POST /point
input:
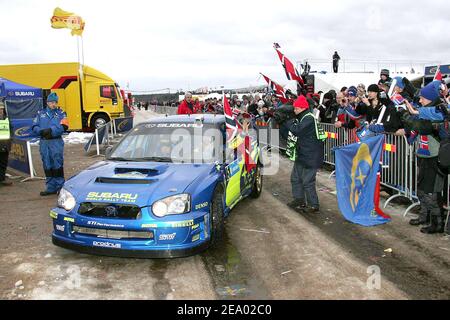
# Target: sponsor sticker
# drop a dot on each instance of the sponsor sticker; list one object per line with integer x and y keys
{"x": 106, "y": 244}
{"x": 60, "y": 227}
{"x": 182, "y": 224}
{"x": 167, "y": 237}
{"x": 196, "y": 226}
{"x": 105, "y": 225}
{"x": 115, "y": 197}
{"x": 150, "y": 225}
{"x": 233, "y": 168}
{"x": 69, "y": 219}
{"x": 53, "y": 215}
{"x": 196, "y": 238}
{"x": 172, "y": 125}
{"x": 201, "y": 205}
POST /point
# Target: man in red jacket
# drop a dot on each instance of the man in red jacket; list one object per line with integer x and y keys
{"x": 187, "y": 105}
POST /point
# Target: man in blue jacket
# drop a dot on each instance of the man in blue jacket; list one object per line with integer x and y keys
{"x": 309, "y": 158}
{"x": 50, "y": 123}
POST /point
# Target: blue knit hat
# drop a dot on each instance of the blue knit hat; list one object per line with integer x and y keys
{"x": 399, "y": 83}
{"x": 52, "y": 97}
{"x": 352, "y": 91}
{"x": 431, "y": 91}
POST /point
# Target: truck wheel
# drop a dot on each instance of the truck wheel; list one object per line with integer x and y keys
{"x": 99, "y": 120}
{"x": 258, "y": 183}
{"x": 217, "y": 217}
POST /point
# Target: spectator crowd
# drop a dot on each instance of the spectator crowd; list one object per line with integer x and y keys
{"x": 391, "y": 106}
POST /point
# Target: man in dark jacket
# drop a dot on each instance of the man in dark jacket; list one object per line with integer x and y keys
{"x": 385, "y": 77}
{"x": 380, "y": 113}
{"x": 336, "y": 59}
{"x": 309, "y": 158}
{"x": 5, "y": 144}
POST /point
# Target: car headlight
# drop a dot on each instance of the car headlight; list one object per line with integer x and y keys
{"x": 66, "y": 200}
{"x": 178, "y": 204}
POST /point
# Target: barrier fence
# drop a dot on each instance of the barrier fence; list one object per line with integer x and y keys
{"x": 104, "y": 134}
{"x": 399, "y": 163}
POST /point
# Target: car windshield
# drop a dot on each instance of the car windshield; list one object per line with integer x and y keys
{"x": 171, "y": 142}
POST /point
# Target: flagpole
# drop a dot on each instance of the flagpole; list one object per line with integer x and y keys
{"x": 82, "y": 49}
{"x": 78, "y": 50}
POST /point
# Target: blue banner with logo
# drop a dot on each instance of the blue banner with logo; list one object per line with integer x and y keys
{"x": 22, "y": 129}
{"x": 357, "y": 166}
{"x": 431, "y": 70}
{"x": 18, "y": 156}
{"x": 123, "y": 124}
{"x": 13, "y": 90}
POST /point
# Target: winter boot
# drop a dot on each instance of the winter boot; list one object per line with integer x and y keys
{"x": 424, "y": 217}
{"x": 437, "y": 226}
{"x": 421, "y": 220}
{"x": 297, "y": 204}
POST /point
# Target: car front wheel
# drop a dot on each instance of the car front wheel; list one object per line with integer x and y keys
{"x": 217, "y": 216}
{"x": 257, "y": 183}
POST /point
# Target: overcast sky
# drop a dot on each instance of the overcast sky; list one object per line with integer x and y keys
{"x": 190, "y": 44}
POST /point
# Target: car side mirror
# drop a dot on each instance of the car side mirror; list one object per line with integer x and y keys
{"x": 108, "y": 152}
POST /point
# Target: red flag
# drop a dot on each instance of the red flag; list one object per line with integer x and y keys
{"x": 233, "y": 129}
{"x": 278, "y": 89}
{"x": 438, "y": 75}
{"x": 289, "y": 68}
{"x": 249, "y": 163}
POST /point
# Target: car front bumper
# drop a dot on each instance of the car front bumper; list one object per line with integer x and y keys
{"x": 166, "y": 239}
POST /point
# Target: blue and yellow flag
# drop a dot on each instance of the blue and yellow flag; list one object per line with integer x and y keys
{"x": 357, "y": 167}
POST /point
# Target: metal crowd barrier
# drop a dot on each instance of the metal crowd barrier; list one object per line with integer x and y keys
{"x": 399, "y": 170}
{"x": 164, "y": 109}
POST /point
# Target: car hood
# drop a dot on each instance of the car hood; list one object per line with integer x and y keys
{"x": 136, "y": 183}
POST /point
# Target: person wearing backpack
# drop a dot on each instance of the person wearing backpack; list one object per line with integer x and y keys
{"x": 308, "y": 157}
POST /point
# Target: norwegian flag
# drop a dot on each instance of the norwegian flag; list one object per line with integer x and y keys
{"x": 233, "y": 129}
{"x": 438, "y": 75}
{"x": 398, "y": 99}
{"x": 277, "y": 88}
{"x": 233, "y": 126}
{"x": 289, "y": 68}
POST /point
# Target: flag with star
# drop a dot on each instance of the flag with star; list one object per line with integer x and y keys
{"x": 357, "y": 175}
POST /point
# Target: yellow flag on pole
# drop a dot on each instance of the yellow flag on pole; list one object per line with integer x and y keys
{"x": 63, "y": 19}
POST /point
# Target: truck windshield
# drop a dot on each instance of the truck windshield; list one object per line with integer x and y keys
{"x": 171, "y": 142}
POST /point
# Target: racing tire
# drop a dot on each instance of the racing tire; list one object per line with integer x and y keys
{"x": 217, "y": 217}
{"x": 99, "y": 120}
{"x": 258, "y": 183}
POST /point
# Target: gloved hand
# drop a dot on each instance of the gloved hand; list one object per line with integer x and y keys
{"x": 377, "y": 128}
{"x": 46, "y": 133}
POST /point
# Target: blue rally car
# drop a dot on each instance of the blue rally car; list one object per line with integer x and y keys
{"x": 163, "y": 191}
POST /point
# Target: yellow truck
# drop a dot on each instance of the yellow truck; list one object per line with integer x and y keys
{"x": 89, "y": 97}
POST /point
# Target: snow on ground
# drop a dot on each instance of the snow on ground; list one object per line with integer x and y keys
{"x": 77, "y": 137}
{"x": 71, "y": 138}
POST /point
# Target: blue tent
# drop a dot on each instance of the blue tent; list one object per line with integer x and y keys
{"x": 22, "y": 104}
